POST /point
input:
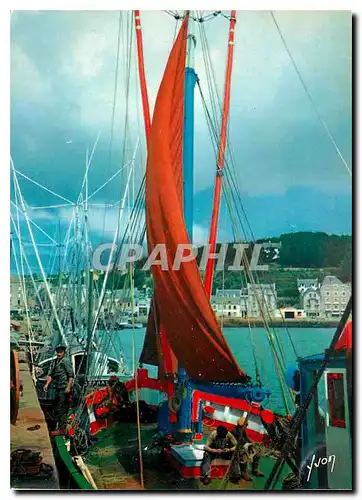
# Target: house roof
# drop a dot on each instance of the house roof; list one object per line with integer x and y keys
{"x": 267, "y": 287}
{"x": 226, "y": 300}
{"x": 307, "y": 282}
{"x": 331, "y": 280}
{"x": 230, "y": 292}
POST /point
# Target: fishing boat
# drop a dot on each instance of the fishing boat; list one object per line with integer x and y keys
{"x": 199, "y": 381}
{"x": 145, "y": 431}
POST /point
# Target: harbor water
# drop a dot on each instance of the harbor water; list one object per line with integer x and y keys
{"x": 307, "y": 341}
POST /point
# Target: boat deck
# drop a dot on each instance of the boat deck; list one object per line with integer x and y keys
{"x": 113, "y": 461}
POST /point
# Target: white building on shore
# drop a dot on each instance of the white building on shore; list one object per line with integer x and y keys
{"x": 327, "y": 300}
{"x": 230, "y": 303}
{"x": 310, "y": 301}
{"x": 246, "y": 302}
{"x": 334, "y": 297}
{"x": 262, "y": 297}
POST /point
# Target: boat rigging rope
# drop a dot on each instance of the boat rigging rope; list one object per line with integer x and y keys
{"x": 27, "y": 220}
{"x": 21, "y": 274}
{"x": 30, "y": 272}
{"x": 230, "y": 170}
{"x": 230, "y": 176}
{"x": 301, "y": 412}
{"x": 43, "y": 187}
{"x": 199, "y": 19}
{"x": 279, "y": 363}
{"x": 314, "y": 106}
{"x": 256, "y": 367}
{"x": 113, "y": 105}
{"x": 231, "y": 211}
{"x": 131, "y": 230}
{"x": 131, "y": 277}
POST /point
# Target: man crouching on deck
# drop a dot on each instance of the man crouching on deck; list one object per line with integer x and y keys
{"x": 246, "y": 450}
{"x": 220, "y": 444}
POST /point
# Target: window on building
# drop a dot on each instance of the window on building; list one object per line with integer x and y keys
{"x": 327, "y": 293}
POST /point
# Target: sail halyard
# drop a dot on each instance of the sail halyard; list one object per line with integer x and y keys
{"x": 183, "y": 306}
{"x": 210, "y": 266}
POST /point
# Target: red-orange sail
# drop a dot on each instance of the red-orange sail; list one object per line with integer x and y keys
{"x": 183, "y": 307}
{"x": 156, "y": 349}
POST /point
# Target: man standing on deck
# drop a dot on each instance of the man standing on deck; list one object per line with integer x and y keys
{"x": 62, "y": 375}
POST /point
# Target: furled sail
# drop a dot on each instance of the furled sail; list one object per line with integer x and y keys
{"x": 156, "y": 349}
{"x": 183, "y": 308}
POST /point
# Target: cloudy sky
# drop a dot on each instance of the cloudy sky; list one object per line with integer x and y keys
{"x": 289, "y": 174}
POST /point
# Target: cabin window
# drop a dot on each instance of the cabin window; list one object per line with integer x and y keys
{"x": 336, "y": 399}
{"x": 112, "y": 366}
{"x": 80, "y": 364}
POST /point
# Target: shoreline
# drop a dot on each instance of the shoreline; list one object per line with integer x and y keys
{"x": 295, "y": 323}
{"x": 277, "y": 323}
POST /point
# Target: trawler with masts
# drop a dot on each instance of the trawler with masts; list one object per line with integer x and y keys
{"x": 199, "y": 383}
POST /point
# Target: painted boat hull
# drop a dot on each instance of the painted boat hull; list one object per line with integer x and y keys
{"x": 208, "y": 409}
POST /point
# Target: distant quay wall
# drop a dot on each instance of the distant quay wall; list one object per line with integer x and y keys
{"x": 277, "y": 323}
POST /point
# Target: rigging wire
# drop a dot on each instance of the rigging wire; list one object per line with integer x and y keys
{"x": 36, "y": 288}
{"x": 114, "y": 103}
{"x": 213, "y": 134}
{"x": 43, "y": 187}
{"x": 230, "y": 170}
{"x": 22, "y": 282}
{"x": 229, "y": 164}
{"x": 276, "y": 357}
{"x": 131, "y": 277}
{"x": 314, "y": 106}
{"x": 199, "y": 19}
{"x": 22, "y": 203}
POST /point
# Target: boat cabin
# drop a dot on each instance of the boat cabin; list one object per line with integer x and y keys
{"x": 326, "y": 430}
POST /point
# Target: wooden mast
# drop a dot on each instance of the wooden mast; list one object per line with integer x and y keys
{"x": 142, "y": 75}
{"x": 221, "y": 159}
